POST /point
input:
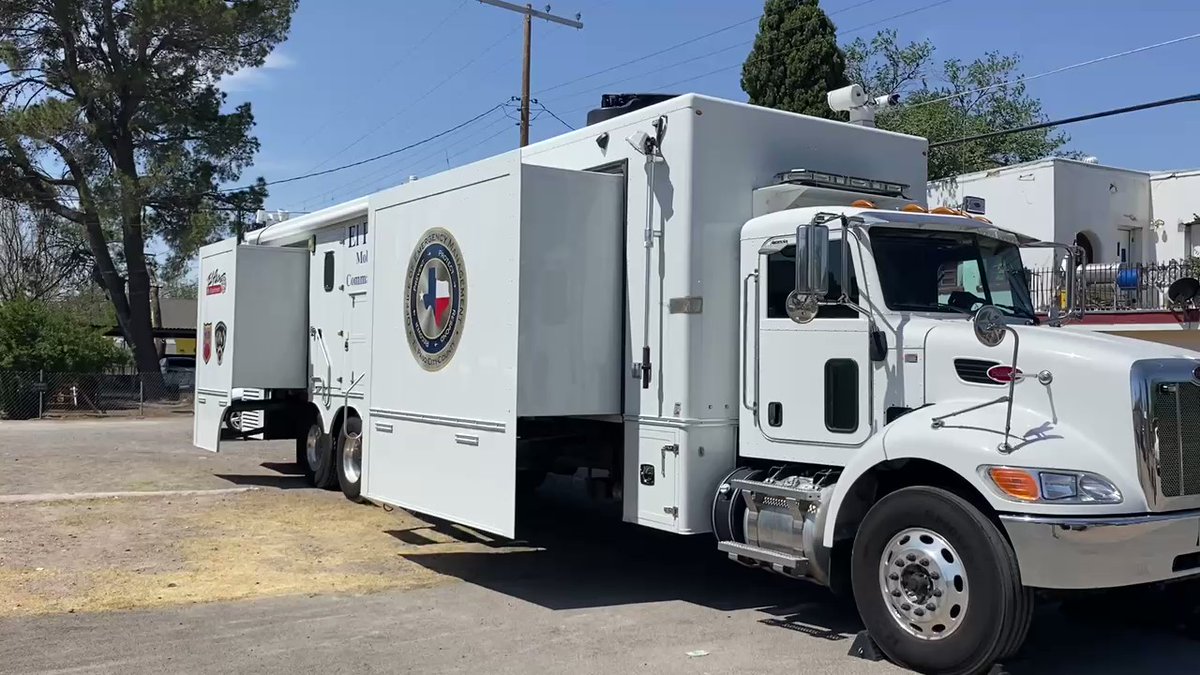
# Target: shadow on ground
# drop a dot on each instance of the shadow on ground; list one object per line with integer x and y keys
{"x": 261, "y": 480}
{"x": 571, "y": 557}
{"x": 582, "y": 559}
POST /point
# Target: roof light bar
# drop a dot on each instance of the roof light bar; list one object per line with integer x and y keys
{"x": 839, "y": 182}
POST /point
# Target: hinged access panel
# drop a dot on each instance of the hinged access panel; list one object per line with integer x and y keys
{"x": 251, "y": 324}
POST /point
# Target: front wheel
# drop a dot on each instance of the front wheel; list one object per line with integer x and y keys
{"x": 937, "y": 585}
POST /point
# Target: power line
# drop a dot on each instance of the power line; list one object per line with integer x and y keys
{"x": 865, "y": 26}
{"x": 420, "y": 98}
{"x": 388, "y": 170}
{"x": 397, "y": 151}
{"x": 393, "y": 66}
{"x": 551, "y": 113}
{"x": 1063, "y": 69}
{"x": 1190, "y": 98}
{"x": 677, "y": 45}
{"x": 651, "y": 55}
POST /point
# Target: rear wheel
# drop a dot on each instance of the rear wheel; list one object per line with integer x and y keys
{"x": 937, "y": 585}
{"x": 318, "y": 457}
{"x": 349, "y": 458}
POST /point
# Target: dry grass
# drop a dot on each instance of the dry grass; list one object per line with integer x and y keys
{"x": 125, "y": 554}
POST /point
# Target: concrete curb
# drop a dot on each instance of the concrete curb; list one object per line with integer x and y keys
{"x": 84, "y": 496}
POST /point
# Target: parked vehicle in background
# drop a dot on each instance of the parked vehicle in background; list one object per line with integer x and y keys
{"x": 179, "y": 372}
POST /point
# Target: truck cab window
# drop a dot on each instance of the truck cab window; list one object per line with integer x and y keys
{"x": 328, "y": 271}
{"x": 781, "y": 280}
{"x": 949, "y": 272}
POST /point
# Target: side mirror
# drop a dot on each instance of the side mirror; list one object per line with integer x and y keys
{"x": 812, "y": 262}
{"x": 989, "y": 326}
{"x": 812, "y": 272}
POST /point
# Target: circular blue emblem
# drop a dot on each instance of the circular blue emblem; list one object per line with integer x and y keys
{"x": 435, "y": 298}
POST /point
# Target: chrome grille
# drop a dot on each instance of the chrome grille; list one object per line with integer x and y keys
{"x": 1175, "y": 419}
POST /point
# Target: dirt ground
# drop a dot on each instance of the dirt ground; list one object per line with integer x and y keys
{"x": 277, "y": 538}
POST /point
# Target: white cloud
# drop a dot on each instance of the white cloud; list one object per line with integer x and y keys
{"x": 252, "y": 78}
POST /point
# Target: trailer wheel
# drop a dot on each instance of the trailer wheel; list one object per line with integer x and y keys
{"x": 318, "y": 457}
{"x": 349, "y": 458}
{"x": 936, "y": 584}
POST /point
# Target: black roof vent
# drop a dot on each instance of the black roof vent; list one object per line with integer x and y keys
{"x": 612, "y": 105}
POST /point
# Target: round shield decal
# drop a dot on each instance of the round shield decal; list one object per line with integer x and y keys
{"x": 219, "y": 340}
{"x": 435, "y": 299}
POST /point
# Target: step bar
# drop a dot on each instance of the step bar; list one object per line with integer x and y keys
{"x": 738, "y": 552}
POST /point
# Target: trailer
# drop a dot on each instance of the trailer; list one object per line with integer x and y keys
{"x": 742, "y": 323}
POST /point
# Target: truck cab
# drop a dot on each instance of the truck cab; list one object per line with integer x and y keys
{"x": 911, "y": 429}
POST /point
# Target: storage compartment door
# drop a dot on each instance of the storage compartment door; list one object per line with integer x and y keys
{"x": 443, "y": 394}
{"x": 654, "y": 479}
{"x": 214, "y": 328}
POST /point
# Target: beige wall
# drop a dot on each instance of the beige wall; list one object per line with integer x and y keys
{"x": 1188, "y": 339}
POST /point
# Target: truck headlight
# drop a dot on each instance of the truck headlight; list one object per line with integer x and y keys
{"x": 1050, "y": 486}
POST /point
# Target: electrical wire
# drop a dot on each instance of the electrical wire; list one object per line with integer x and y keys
{"x": 856, "y": 29}
{"x": 1190, "y": 98}
{"x": 677, "y": 45}
{"x": 551, "y": 113}
{"x": 1056, "y": 71}
{"x": 364, "y": 184}
{"x": 397, "y": 151}
{"x": 394, "y": 65}
{"x": 420, "y": 98}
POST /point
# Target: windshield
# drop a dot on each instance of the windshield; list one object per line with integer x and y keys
{"x": 939, "y": 271}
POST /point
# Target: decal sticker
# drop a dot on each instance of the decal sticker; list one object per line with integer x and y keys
{"x": 206, "y": 341}
{"x": 435, "y": 299}
{"x": 215, "y": 285}
{"x": 219, "y": 341}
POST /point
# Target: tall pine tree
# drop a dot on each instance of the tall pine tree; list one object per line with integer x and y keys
{"x": 795, "y": 60}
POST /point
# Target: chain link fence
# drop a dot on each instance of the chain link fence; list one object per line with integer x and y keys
{"x": 43, "y": 394}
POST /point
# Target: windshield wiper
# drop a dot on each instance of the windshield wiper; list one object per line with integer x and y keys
{"x": 932, "y": 307}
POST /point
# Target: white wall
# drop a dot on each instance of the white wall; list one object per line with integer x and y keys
{"x": 1176, "y": 201}
{"x": 1111, "y": 205}
{"x": 1055, "y": 199}
{"x": 1018, "y": 198}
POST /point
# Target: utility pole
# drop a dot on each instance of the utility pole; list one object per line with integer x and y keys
{"x": 529, "y": 13}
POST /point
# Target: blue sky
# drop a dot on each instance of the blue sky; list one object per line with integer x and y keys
{"x": 359, "y": 78}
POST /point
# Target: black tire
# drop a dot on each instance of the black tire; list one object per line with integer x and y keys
{"x": 319, "y": 465}
{"x": 998, "y": 608}
{"x": 349, "y": 476}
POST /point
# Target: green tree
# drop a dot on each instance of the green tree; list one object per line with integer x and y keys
{"x": 110, "y": 118}
{"x": 795, "y": 60}
{"x": 969, "y": 99}
{"x": 39, "y": 336}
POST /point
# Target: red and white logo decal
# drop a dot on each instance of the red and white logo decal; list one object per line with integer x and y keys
{"x": 215, "y": 285}
{"x": 1005, "y": 374}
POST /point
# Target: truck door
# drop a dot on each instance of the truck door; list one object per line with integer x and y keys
{"x": 327, "y": 348}
{"x": 813, "y": 379}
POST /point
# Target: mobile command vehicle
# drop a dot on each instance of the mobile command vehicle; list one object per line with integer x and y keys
{"x": 743, "y": 322}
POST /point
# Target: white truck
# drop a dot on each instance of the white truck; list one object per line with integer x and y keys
{"x": 744, "y": 323}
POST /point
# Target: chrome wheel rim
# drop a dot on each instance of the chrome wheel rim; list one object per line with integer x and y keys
{"x": 352, "y": 457}
{"x": 310, "y": 446}
{"x": 924, "y": 584}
